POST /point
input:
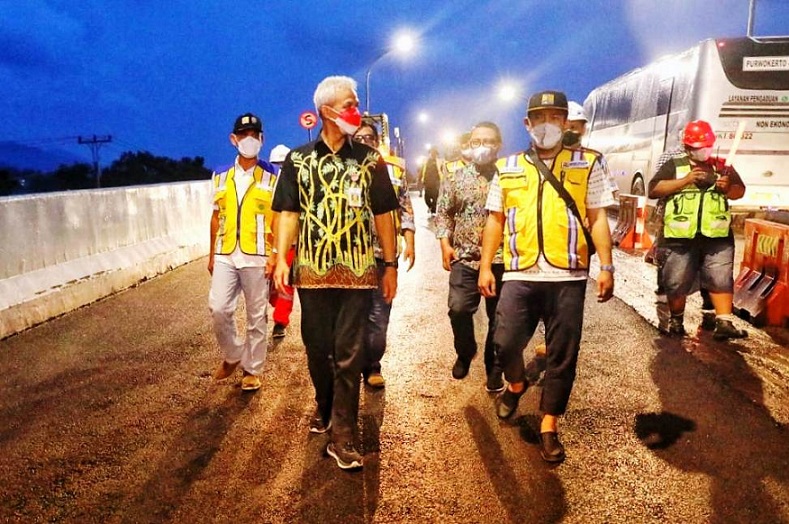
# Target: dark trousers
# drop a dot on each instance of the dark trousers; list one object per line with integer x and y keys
{"x": 464, "y": 297}
{"x": 377, "y": 326}
{"x": 332, "y": 328}
{"x": 431, "y": 195}
{"x": 560, "y": 305}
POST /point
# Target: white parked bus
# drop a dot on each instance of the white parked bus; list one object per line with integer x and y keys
{"x": 636, "y": 117}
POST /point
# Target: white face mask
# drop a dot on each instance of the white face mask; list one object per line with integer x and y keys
{"x": 701, "y": 155}
{"x": 345, "y": 127}
{"x": 466, "y": 153}
{"x": 546, "y": 136}
{"x": 249, "y": 147}
{"x": 483, "y": 155}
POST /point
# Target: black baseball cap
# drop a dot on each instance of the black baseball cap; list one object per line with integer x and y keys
{"x": 547, "y": 100}
{"x": 247, "y": 121}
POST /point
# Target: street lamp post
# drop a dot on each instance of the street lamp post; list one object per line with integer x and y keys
{"x": 403, "y": 44}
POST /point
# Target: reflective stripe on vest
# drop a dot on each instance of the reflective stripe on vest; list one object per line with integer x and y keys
{"x": 692, "y": 210}
{"x": 536, "y": 218}
{"x": 255, "y": 235}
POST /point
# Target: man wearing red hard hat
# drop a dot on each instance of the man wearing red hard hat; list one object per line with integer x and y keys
{"x": 697, "y": 238}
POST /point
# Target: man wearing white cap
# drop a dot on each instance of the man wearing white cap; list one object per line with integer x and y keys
{"x": 281, "y": 302}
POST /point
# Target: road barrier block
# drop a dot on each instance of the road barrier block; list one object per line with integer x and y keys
{"x": 630, "y": 231}
{"x": 761, "y": 290}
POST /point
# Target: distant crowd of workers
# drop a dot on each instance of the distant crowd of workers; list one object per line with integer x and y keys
{"x": 333, "y": 217}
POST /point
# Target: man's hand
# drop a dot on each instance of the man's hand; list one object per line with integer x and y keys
{"x": 605, "y": 286}
{"x": 723, "y": 184}
{"x": 409, "y": 253}
{"x": 447, "y": 255}
{"x": 271, "y": 263}
{"x": 211, "y": 264}
{"x": 281, "y": 274}
{"x": 389, "y": 284}
{"x": 697, "y": 176}
{"x": 486, "y": 283}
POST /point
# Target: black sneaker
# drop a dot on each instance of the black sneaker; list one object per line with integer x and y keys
{"x": 495, "y": 383}
{"x": 507, "y": 402}
{"x": 345, "y": 454}
{"x": 707, "y": 320}
{"x": 724, "y": 330}
{"x": 460, "y": 369}
{"x": 676, "y": 327}
{"x": 279, "y": 331}
{"x": 551, "y": 449}
{"x": 317, "y": 425}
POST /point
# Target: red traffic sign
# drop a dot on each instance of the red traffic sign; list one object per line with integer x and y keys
{"x": 308, "y": 119}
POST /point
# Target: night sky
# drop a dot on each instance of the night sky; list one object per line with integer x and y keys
{"x": 170, "y": 77}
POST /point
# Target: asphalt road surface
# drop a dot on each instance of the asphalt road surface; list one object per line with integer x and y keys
{"x": 109, "y": 414}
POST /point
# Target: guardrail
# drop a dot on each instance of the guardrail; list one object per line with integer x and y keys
{"x": 63, "y": 250}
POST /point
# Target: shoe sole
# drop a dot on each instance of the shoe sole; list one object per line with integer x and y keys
{"x": 551, "y": 459}
{"x": 343, "y": 465}
{"x": 728, "y": 337}
{"x": 280, "y": 335}
{"x": 495, "y": 390}
{"x": 250, "y": 388}
{"x": 317, "y": 431}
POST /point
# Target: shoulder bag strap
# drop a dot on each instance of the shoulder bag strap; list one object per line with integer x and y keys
{"x": 562, "y": 191}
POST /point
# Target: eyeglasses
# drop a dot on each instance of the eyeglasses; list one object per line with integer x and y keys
{"x": 367, "y": 139}
{"x": 476, "y": 142}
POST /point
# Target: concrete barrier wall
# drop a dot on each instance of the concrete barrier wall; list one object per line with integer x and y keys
{"x": 60, "y": 251}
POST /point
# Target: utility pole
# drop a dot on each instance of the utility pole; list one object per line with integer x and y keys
{"x": 95, "y": 143}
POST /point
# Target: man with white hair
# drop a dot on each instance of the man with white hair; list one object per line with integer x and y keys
{"x": 329, "y": 193}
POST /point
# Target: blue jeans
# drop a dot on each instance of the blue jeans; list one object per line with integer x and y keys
{"x": 560, "y": 305}
{"x": 377, "y": 326}
{"x": 464, "y": 297}
{"x": 709, "y": 261}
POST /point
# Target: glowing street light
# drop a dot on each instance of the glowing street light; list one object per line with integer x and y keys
{"x": 508, "y": 91}
{"x": 403, "y": 44}
{"x": 449, "y": 136}
{"x": 423, "y": 117}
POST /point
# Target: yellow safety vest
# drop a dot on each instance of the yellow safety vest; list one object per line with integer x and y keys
{"x": 691, "y": 210}
{"x": 454, "y": 165}
{"x": 536, "y": 217}
{"x": 396, "y": 168}
{"x": 254, "y": 236}
{"x": 440, "y": 166}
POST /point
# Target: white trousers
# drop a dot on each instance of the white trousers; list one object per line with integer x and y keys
{"x": 226, "y": 285}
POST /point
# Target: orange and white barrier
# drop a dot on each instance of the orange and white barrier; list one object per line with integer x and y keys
{"x": 630, "y": 231}
{"x": 761, "y": 290}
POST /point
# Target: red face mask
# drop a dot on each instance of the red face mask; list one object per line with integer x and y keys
{"x": 348, "y": 120}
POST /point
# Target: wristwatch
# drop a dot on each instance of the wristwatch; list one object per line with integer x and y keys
{"x": 607, "y": 267}
{"x": 390, "y": 263}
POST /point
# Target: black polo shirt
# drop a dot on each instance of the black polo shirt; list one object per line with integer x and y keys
{"x": 336, "y": 196}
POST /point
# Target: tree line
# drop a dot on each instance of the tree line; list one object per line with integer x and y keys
{"x": 131, "y": 169}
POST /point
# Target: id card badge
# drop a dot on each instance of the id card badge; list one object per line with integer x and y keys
{"x": 354, "y": 195}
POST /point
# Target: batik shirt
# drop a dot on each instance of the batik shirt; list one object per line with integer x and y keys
{"x": 461, "y": 213}
{"x": 405, "y": 214}
{"x": 336, "y": 196}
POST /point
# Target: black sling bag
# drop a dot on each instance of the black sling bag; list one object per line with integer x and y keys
{"x": 568, "y": 200}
